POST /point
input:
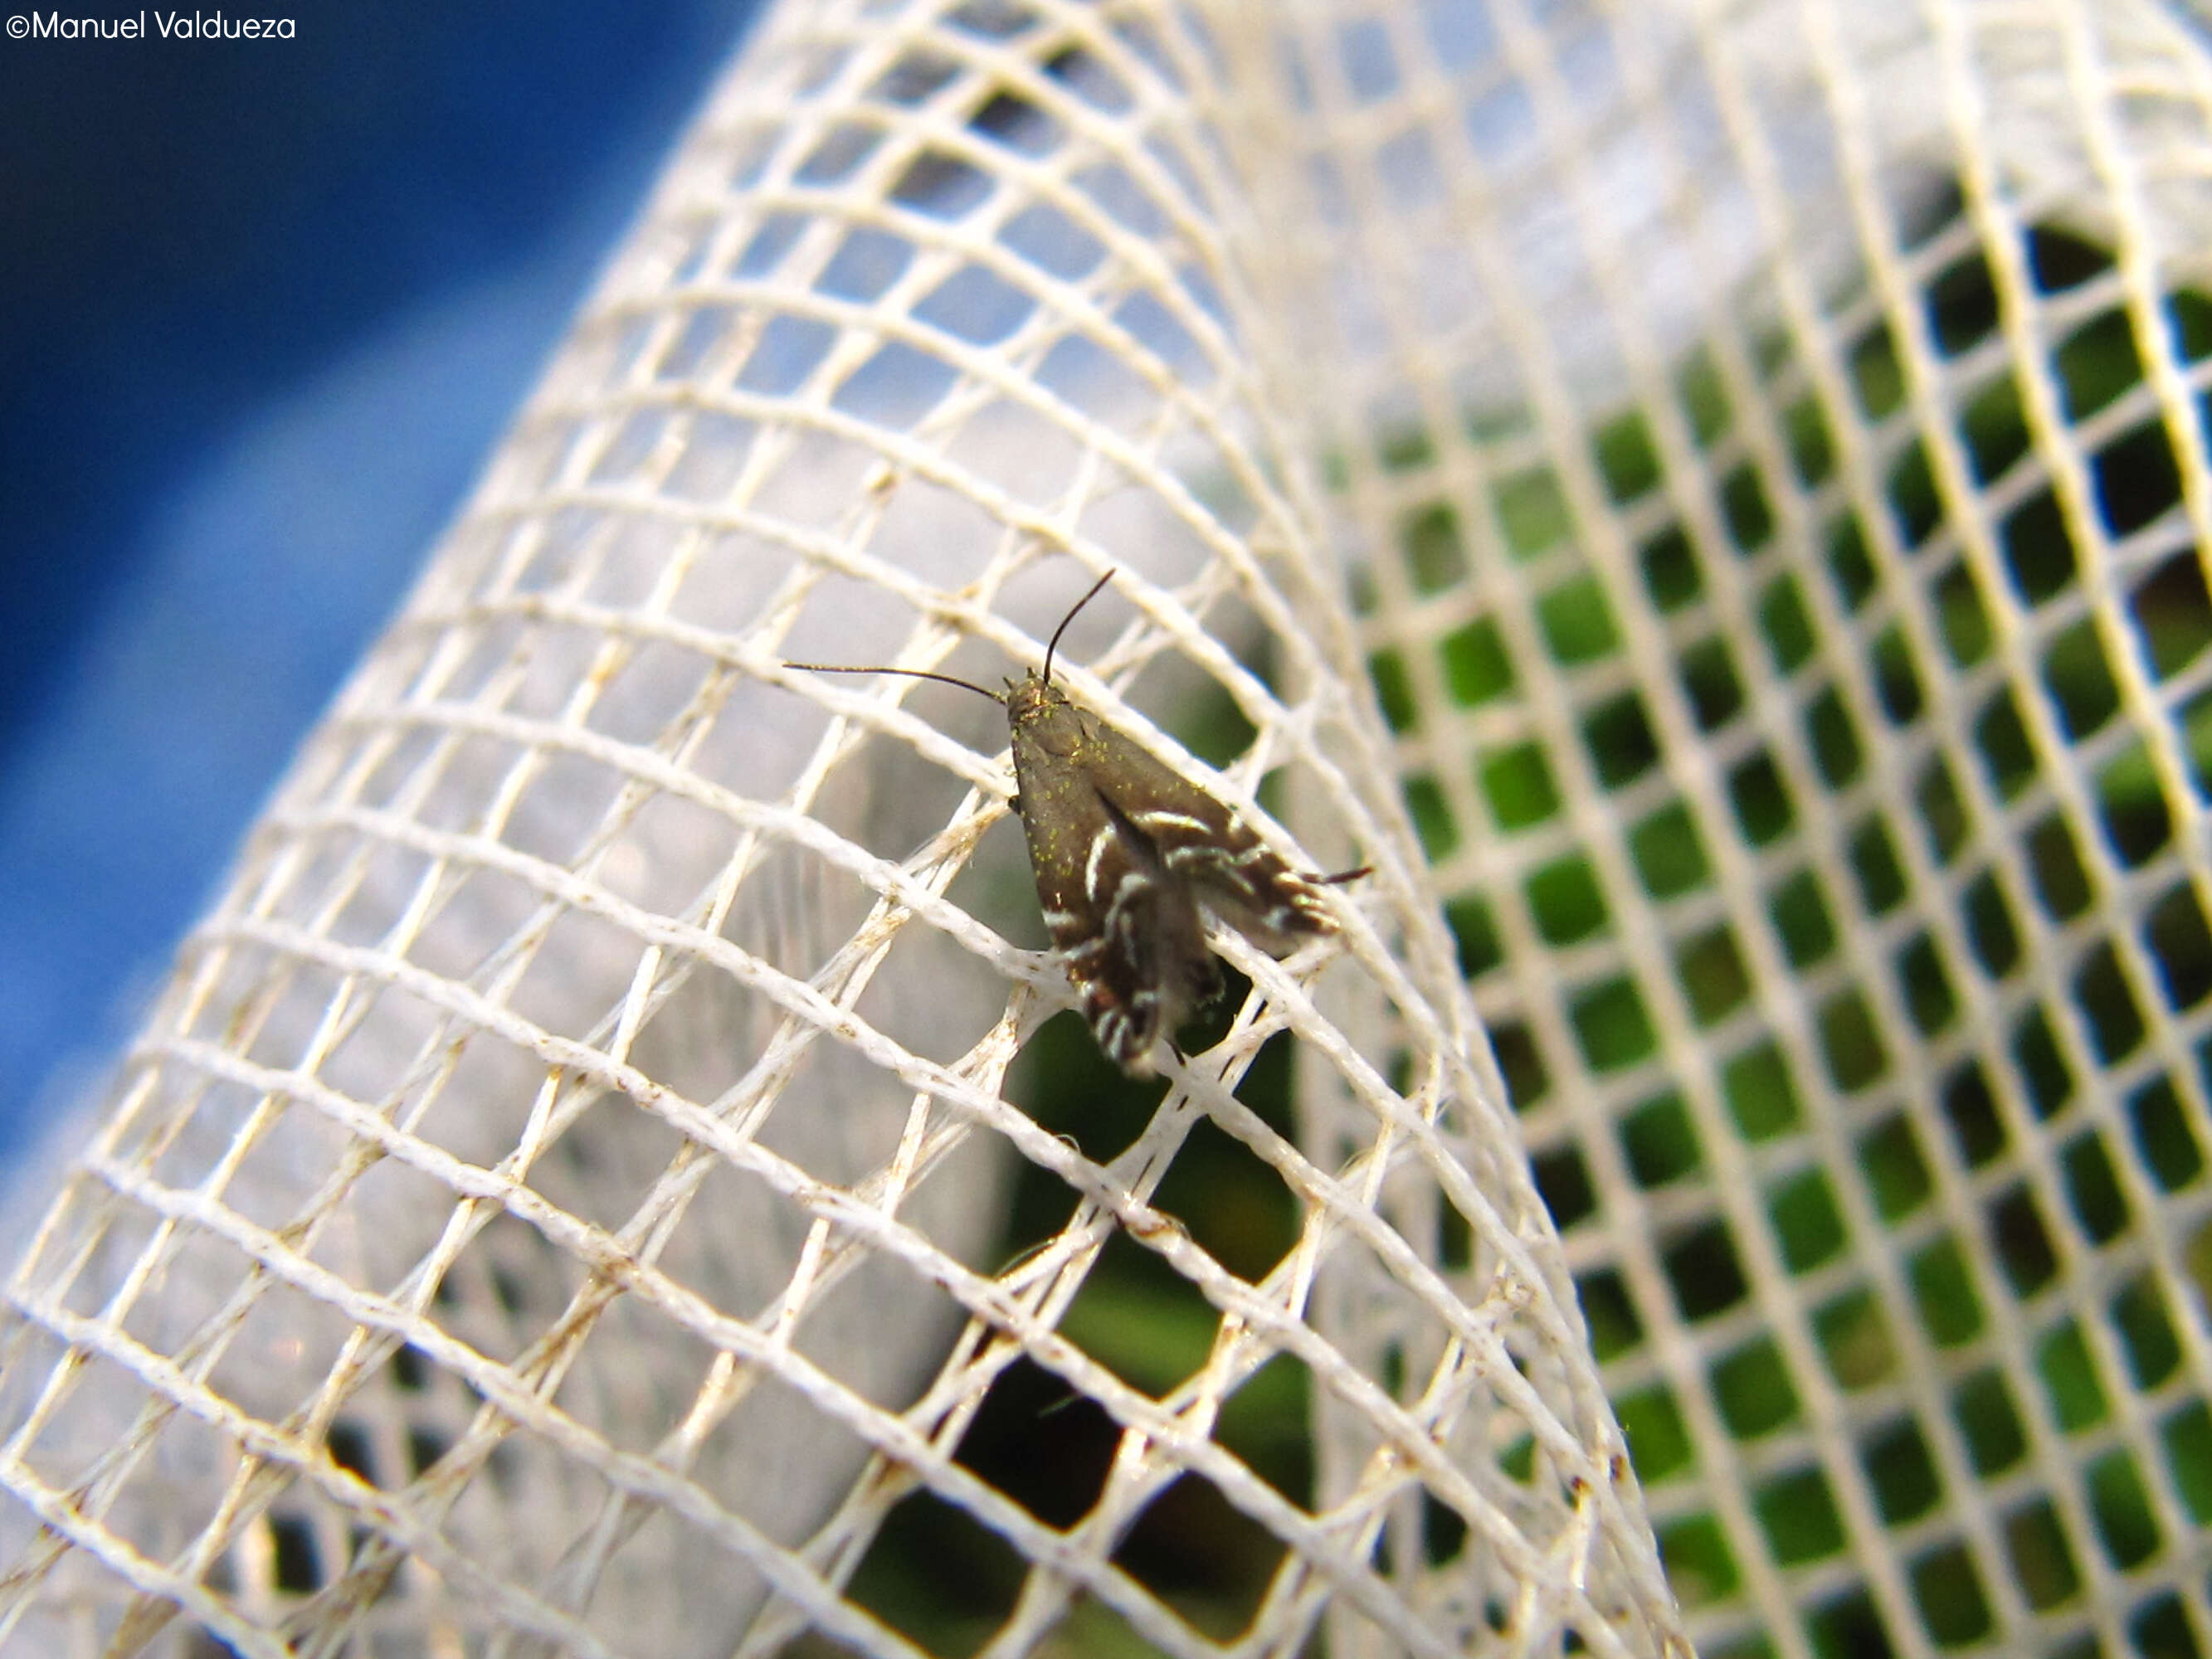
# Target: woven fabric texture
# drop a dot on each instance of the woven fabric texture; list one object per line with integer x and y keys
{"x": 1707, "y": 500}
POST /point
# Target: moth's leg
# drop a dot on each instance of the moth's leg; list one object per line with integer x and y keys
{"x": 1342, "y": 877}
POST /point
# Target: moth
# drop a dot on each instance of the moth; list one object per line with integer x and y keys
{"x": 1125, "y": 851}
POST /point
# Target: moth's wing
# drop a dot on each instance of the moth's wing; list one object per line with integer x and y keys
{"x": 1125, "y": 924}
{"x": 1152, "y": 968}
{"x": 1240, "y": 878}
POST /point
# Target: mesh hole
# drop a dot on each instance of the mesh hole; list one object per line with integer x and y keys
{"x": 2069, "y": 1380}
{"x": 1042, "y": 1443}
{"x": 1612, "y": 1026}
{"x": 1855, "y": 1342}
{"x": 1670, "y": 858}
{"x": 2038, "y": 548}
{"x": 2137, "y": 824}
{"x": 2117, "y": 1028}
{"x": 1565, "y": 902}
{"x": 2042, "y": 1563}
{"x": 1995, "y": 429}
{"x": 1528, "y": 1080}
{"x": 938, "y": 1576}
{"x": 1714, "y": 976}
{"x": 1761, "y": 800}
{"x": 1563, "y": 1179}
{"x": 2022, "y": 1241}
{"x": 1615, "y": 1327}
{"x": 1988, "y": 1423}
{"x": 1807, "y": 1224}
{"x": 1659, "y": 1143}
{"x": 1706, "y": 1273}
{"x": 866, "y": 264}
{"x": 1429, "y": 540}
{"x": 1943, "y": 1293}
{"x": 2163, "y": 1137}
{"x": 2120, "y": 1504}
{"x": 2180, "y": 938}
{"x": 1652, "y": 1420}
{"x": 1902, "y": 1472}
{"x": 1622, "y": 745}
{"x": 1797, "y": 1512}
{"x": 1532, "y": 513}
{"x": 1761, "y": 1098}
{"x": 940, "y": 185}
{"x": 2187, "y": 1438}
{"x": 1752, "y": 1388}
{"x": 1477, "y": 667}
{"x": 1518, "y": 785}
{"x": 2136, "y": 479}
{"x": 2139, "y": 1314}
{"x": 1700, "y": 1567}
{"x": 1946, "y": 1591}
{"x": 1671, "y": 575}
{"x": 1201, "y": 1556}
{"x": 1710, "y": 683}
{"x": 2172, "y": 610}
{"x": 1978, "y": 1132}
{"x": 1748, "y": 519}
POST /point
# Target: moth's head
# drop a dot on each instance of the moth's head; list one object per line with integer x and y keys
{"x": 1044, "y": 718}
{"x": 1033, "y": 698}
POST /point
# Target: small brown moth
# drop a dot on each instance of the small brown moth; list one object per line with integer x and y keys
{"x": 1125, "y": 851}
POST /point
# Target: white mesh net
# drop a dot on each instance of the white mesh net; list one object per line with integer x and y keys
{"x": 1706, "y": 499}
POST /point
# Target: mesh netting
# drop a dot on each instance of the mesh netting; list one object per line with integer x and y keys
{"x": 1706, "y": 499}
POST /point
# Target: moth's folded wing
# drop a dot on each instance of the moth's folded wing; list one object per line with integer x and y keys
{"x": 1201, "y": 841}
{"x": 1126, "y": 925}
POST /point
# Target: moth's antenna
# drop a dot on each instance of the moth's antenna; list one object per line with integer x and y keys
{"x": 911, "y": 673}
{"x": 1053, "y": 645}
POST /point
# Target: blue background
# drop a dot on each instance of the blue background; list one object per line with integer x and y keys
{"x": 264, "y": 306}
